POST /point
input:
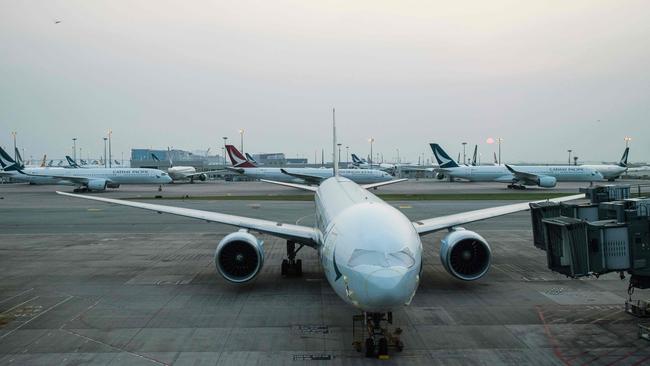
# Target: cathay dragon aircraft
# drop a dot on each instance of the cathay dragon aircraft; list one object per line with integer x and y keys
{"x": 517, "y": 177}
{"x": 313, "y": 176}
{"x": 370, "y": 252}
{"x": 86, "y": 179}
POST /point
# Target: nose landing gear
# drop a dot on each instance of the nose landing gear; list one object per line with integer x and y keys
{"x": 290, "y": 266}
{"x": 379, "y": 337}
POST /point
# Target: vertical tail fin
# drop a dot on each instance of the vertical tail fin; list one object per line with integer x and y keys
{"x": 19, "y": 159}
{"x": 71, "y": 162}
{"x": 623, "y": 161}
{"x": 250, "y": 158}
{"x": 237, "y": 159}
{"x": 154, "y": 157}
{"x": 444, "y": 161}
{"x": 335, "y": 155}
{"x": 44, "y": 161}
{"x": 474, "y": 163}
{"x": 169, "y": 157}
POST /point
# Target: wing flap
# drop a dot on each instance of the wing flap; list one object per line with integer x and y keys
{"x": 428, "y": 226}
{"x": 302, "y": 234}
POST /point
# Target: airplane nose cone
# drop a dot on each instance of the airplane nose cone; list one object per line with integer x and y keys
{"x": 388, "y": 287}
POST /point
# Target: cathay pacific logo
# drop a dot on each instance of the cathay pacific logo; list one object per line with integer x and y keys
{"x": 441, "y": 156}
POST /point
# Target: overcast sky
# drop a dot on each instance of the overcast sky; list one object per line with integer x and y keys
{"x": 544, "y": 76}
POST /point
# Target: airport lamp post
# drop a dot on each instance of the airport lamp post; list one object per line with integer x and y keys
{"x": 464, "y": 156}
{"x": 347, "y": 156}
{"x": 499, "y": 140}
{"x": 627, "y": 141}
{"x": 241, "y": 141}
{"x": 110, "y": 155}
{"x": 225, "y": 139}
{"x": 569, "y": 151}
{"x": 105, "y": 139}
{"x": 371, "y": 140}
{"x": 14, "y": 133}
{"x": 74, "y": 148}
{"x": 339, "y": 155}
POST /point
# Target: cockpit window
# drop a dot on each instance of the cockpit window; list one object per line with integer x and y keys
{"x": 403, "y": 258}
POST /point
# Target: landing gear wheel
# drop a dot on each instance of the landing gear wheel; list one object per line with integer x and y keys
{"x": 370, "y": 348}
{"x": 383, "y": 348}
{"x": 285, "y": 267}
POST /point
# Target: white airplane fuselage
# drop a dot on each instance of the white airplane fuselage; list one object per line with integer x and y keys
{"x": 181, "y": 172}
{"x": 499, "y": 173}
{"x": 359, "y": 176}
{"x": 115, "y": 175}
{"x": 370, "y": 252}
{"x": 609, "y": 171}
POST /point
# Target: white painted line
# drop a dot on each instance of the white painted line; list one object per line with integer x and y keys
{"x": 37, "y": 316}
{"x": 24, "y": 292}
{"x": 24, "y": 302}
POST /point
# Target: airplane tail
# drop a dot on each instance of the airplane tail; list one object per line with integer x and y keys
{"x": 154, "y": 157}
{"x": 444, "y": 161}
{"x": 71, "y": 162}
{"x": 356, "y": 160}
{"x": 19, "y": 159}
{"x": 237, "y": 159}
{"x": 7, "y": 163}
{"x": 250, "y": 158}
{"x": 44, "y": 161}
{"x": 474, "y": 162}
{"x": 623, "y": 161}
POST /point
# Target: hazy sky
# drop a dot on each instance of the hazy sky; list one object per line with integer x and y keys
{"x": 545, "y": 76}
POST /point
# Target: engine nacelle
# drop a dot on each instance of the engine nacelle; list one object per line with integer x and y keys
{"x": 546, "y": 181}
{"x": 112, "y": 185}
{"x": 465, "y": 254}
{"x": 203, "y": 177}
{"x": 239, "y": 256}
{"x": 97, "y": 184}
{"x": 440, "y": 176}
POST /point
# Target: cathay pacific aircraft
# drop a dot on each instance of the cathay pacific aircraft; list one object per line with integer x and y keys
{"x": 180, "y": 173}
{"x": 517, "y": 177}
{"x": 86, "y": 179}
{"x": 313, "y": 176}
{"x": 370, "y": 252}
{"x": 611, "y": 171}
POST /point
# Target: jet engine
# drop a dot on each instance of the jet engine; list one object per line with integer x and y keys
{"x": 239, "y": 256}
{"x": 440, "y": 176}
{"x": 97, "y": 184}
{"x": 203, "y": 177}
{"x": 546, "y": 181}
{"x": 465, "y": 254}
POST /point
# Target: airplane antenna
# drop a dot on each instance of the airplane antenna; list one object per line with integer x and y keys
{"x": 335, "y": 158}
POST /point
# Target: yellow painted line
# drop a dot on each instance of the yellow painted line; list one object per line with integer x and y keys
{"x": 94, "y": 209}
{"x": 404, "y": 206}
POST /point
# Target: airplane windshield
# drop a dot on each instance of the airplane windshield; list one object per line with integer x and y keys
{"x": 403, "y": 258}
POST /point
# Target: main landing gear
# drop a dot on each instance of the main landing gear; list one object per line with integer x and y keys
{"x": 292, "y": 267}
{"x": 379, "y": 338}
{"x": 516, "y": 186}
{"x": 81, "y": 189}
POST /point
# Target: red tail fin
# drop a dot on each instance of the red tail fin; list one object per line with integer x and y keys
{"x": 237, "y": 159}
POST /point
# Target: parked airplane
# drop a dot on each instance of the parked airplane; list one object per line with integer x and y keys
{"x": 611, "y": 171}
{"x": 517, "y": 176}
{"x": 370, "y": 252}
{"x": 86, "y": 179}
{"x": 184, "y": 172}
{"x": 363, "y": 164}
{"x": 301, "y": 175}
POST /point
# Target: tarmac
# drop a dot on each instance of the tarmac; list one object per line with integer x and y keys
{"x": 88, "y": 283}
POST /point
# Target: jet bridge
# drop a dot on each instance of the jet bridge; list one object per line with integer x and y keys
{"x": 610, "y": 233}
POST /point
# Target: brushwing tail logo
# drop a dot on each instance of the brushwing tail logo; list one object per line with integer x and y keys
{"x": 356, "y": 160}
{"x": 623, "y": 161}
{"x": 237, "y": 159}
{"x": 444, "y": 161}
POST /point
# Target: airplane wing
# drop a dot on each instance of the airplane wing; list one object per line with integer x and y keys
{"x": 523, "y": 176}
{"x": 236, "y": 170}
{"x": 292, "y": 185}
{"x": 375, "y": 185}
{"x": 311, "y": 179}
{"x": 302, "y": 234}
{"x": 428, "y": 226}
